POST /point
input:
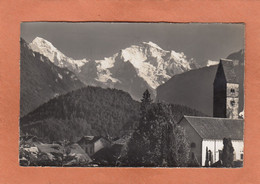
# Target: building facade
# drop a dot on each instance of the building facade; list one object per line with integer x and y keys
{"x": 92, "y": 144}
{"x": 206, "y": 134}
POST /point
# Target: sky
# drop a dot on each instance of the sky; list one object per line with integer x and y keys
{"x": 96, "y": 40}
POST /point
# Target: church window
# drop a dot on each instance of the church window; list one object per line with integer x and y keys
{"x": 232, "y": 102}
{"x": 241, "y": 156}
{"x": 193, "y": 145}
{"x": 232, "y": 90}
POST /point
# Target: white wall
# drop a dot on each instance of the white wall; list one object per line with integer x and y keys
{"x": 216, "y": 145}
{"x": 99, "y": 144}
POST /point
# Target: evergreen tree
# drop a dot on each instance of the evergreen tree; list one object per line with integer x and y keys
{"x": 228, "y": 151}
{"x": 179, "y": 148}
{"x": 145, "y": 104}
{"x": 138, "y": 146}
{"x": 157, "y": 141}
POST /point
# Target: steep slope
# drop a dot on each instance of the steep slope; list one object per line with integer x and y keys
{"x": 41, "y": 80}
{"x": 143, "y": 66}
{"x": 195, "y": 88}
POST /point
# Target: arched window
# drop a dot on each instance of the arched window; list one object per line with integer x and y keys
{"x": 232, "y": 90}
{"x": 193, "y": 145}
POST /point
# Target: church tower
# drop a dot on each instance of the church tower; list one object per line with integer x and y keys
{"x": 226, "y": 90}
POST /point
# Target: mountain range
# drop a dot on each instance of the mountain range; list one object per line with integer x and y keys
{"x": 170, "y": 76}
{"x": 133, "y": 69}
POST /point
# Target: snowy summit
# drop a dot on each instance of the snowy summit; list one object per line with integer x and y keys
{"x": 46, "y": 48}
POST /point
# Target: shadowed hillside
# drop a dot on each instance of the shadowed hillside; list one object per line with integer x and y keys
{"x": 41, "y": 80}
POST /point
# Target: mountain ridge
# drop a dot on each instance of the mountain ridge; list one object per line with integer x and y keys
{"x": 152, "y": 66}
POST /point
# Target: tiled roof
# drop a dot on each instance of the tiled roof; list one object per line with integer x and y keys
{"x": 217, "y": 128}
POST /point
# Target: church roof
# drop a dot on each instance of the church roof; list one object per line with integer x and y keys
{"x": 229, "y": 71}
{"x": 217, "y": 128}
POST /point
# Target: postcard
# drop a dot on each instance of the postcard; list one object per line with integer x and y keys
{"x": 131, "y": 94}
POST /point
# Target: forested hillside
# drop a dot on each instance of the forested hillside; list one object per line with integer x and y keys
{"x": 86, "y": 111}
{"x": 89, "y": 111}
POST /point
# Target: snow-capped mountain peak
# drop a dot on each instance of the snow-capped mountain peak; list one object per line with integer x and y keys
{"x": 46, "y": 48}
{"x": 151, "y": 44}
{"x": 43, "y": 43}
{"x": 151, "y": 62}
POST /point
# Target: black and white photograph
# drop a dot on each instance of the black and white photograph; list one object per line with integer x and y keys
{"x": 128, "y": 94}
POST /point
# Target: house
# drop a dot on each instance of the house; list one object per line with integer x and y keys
{"x": 92, "y": 144}
{"x": 207, "y": 133}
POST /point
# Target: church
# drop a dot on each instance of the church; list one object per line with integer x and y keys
{"x": 206, "y": 134}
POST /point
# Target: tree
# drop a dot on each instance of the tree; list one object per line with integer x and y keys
{"x": 138, "y": 144}
{"x": 145, "y": 103}
{"x": 157, "y": 141}
{"x": 228, "y": 151}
